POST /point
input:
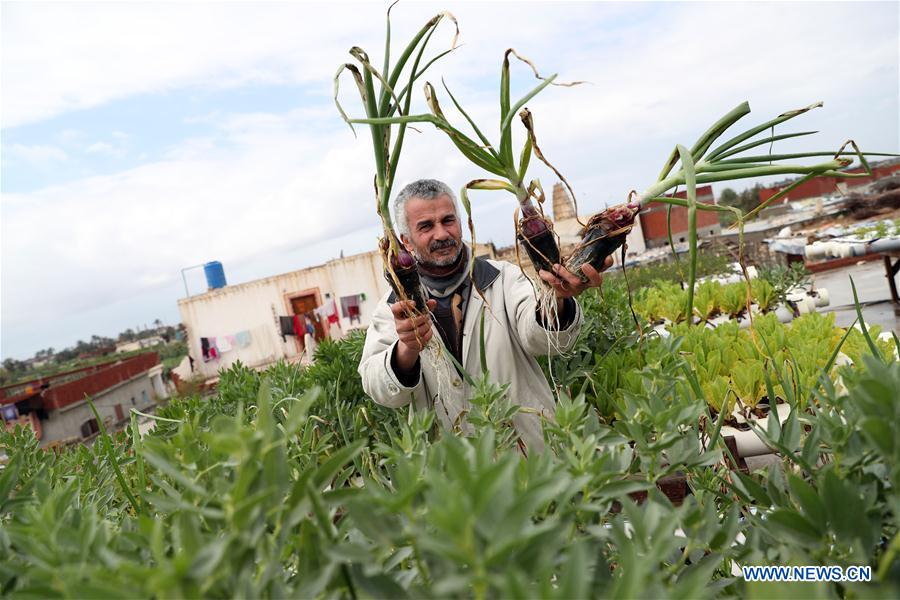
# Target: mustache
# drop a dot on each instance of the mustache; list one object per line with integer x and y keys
{"x": 442, "y": 244}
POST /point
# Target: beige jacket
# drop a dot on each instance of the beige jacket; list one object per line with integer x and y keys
{"x": 513, "y": 337}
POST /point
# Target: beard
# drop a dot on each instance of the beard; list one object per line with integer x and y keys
{"x": 431, "y": 261}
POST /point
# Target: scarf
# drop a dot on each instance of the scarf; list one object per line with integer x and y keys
{"x": 449, "y": 289}
{"x": 451, "y": 277}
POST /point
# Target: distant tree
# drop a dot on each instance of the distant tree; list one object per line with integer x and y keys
{"x": 728, "y": 197}
{"x": 749, "y": 198}
{"x": 745, "y": 201}
{"x": 157, "y": 324}
{"x": 14, "y": 366}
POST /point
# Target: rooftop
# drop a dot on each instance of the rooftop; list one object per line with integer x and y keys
{"x": 62, "y": 389}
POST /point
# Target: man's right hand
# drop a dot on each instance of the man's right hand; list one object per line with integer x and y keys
{"x": 413, "y": 332}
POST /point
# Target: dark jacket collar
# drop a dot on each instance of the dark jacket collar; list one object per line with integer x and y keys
{"x": 483, "y": 274}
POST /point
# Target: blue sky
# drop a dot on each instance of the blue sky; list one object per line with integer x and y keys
{"x": 141, "y": 138}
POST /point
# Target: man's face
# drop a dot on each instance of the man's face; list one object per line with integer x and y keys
{"x": 435, "y": 237}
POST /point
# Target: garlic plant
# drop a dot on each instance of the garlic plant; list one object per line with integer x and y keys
{"x": 400, "y": 266}
{"x": 702, "y": 164}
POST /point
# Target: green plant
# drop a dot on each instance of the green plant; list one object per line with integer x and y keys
{"x": 784, "y": 278}
{"x": 764, "y": 294}
{"x": 379, "y": 108}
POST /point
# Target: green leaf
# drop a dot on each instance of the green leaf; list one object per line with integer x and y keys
{"x": 328, "y": 469}
{"x": 862, "y": 323}
{"x": 790, "y": 523}
{"x": 207, "y": 559}
{"x": 843, "y": 505}
{"x": 718, "y": 128}
{"x": 690, "y": 181}
{"x": 752, "y": 488}
{"x": 9, "y": 476}
{"x": 768, "y": 140}
{"x": 575, "y": 576}
{"x": 477, "y": 131}
{"x": 880, "y": 433}
{"x": 111, "y": 456}
{"x": 759, "y": 128}
{"x": 173, "y": 472}
{"x": 506, "y": 155}
{"x": 790, "y": 433}
{"x": 808, "y": 500}
{"x": 378, "y": 586}
{"x": 617, "y": 489}
{"x": 506, "y": 124}
{"x": 773, "y": 425}
{"x": 525, "y": 158}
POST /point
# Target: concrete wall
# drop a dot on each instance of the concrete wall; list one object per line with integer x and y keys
{"x": 66, "y": 422}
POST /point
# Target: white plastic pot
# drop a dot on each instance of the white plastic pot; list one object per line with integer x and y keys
{"x": 819, "y": 250}
{"x": 803, "y": 306}
{"x": 784, "y": 313}
{"x": 662, "y": 331}
{"x": 716, "y": 321}
{"x": 747, "y": 442}
{"x": 822, "y": 298}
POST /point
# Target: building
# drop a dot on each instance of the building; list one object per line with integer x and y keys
{"x": 55, "y": 406}
{"x": 122, "y": 347}
{"x": 254, "y": 322}
{"x": 818, "y": 187}
{"x": 655, "y": 221}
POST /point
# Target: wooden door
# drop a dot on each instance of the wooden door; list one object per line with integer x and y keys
{"x": 303, "y": 305}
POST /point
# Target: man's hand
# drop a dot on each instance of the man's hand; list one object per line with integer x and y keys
{"x": 413, "y": 332}
{"x": 568, "y": 285}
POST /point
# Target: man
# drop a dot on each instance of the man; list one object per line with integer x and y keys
{"x": 394, "y": 369}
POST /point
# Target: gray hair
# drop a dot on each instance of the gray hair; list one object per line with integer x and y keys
{"x": 425, "y": 189}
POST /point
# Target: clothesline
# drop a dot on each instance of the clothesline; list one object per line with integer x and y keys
{"x": 212, "y": 347}
{"x": 299, "y": 325}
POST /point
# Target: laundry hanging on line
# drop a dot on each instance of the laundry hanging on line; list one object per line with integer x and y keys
{"x": 331, "y": 312}
{"x": 287, "y": 326}
{"x": 350, "y": 307}
{"x": 299, "y": 326}
{"x": 242, "y": 339}
{"x": 209, "y": 349}
{"x": 223, "y": 344}
{"x": 212, "y": 348}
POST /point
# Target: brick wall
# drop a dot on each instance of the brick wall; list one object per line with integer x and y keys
{"x": 653, "y": 221}
{"x": 824, "y": 186}
{"x": 74, "y": 391}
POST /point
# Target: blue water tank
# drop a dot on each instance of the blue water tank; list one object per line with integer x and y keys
{"x": 215, "y": 275}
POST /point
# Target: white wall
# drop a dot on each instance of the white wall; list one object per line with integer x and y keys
{"x": 255, "y": 307}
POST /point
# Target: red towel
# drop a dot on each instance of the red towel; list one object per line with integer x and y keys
{"x": 299, "y": 329}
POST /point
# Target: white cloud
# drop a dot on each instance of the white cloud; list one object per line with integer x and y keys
{"x": 64, "y": 57}
{"x": 37, "y": 155}
{"x": 100, "y": 148}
